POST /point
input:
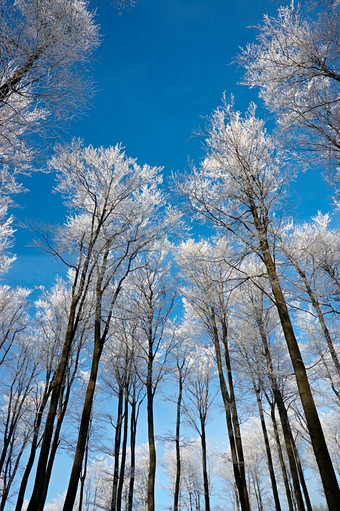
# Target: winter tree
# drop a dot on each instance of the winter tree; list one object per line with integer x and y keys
{"x": 238, "y": 188}
{"x": 295, "y": 64}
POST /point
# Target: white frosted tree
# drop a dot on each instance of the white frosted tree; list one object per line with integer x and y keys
{"x": 112, "y": 200}
{"x": 238, "y": 188}
{"x": 44, "y": 49}
{"x": 295, "y": 64}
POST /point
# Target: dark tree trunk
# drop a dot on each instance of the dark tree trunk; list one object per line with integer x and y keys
{"x": 284, "y": 422}
{"x": 36, "y": 503}
{"x": 133, "y": 430}
{"x": 281, "y": 459}
{"x": 118, "y": 435}
{"x": 151, "y": 437}
{"x": 205, "y": 467}
{"x": 123, "y": 456}
{"x": 268, "y": 450}
{"x": 177, "y": 442}
{"x": 85, "y": 421}
{"x": 33, "y": 450}
{"x": 320, "y": 448}
{"x": 240, "y": 481}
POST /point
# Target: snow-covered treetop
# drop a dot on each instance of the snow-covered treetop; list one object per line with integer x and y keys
{"x": 295, "y": 64}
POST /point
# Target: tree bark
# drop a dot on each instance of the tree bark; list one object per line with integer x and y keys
{"x": 118, "y": 435}
{"x": 123, "y": 455}
{"x": 151, "y": 436}
{"x": 205, "y": 467}
{"x": 240, "y": 481}
{"x": 36, "y": 503}
{"x": 320, "y": 448}
{"x": 177, "y": 442}
{"x": 133, "y": 429}
{"x": 85, "y": 421}
{"x": 268, "y": 450}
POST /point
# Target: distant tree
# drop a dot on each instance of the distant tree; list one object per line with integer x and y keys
{"x": 199, "y": 400}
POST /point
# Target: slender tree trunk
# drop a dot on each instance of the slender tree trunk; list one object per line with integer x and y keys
{"x": 151, "y": 436}
{"x": 118, "y": 435}
{"x": 234, "y": 414}
{"x": 177, "y": 441}
{"x": 33, "y": 450}
{"x": 36, "y": 503}
{"x": 281, "y": 459}
{"x": 239, "y": 478}
{"x": 258, "y": 493}
{"x": 268, "y": 450}
{"x": 133, "y": 428}
{"x": 301, "y": 474}
{"x": 320, "y": 448}
{"x": 123, "y": 456}
{"x": 85, "y": 420}
{"x": 83, "y": 476}
{"x": 285, "y": 426}
{"x": 205, "y": 467}
{"x": 63, "y": 402}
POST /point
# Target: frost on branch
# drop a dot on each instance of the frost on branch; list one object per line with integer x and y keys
{"x": 295, "y": 64}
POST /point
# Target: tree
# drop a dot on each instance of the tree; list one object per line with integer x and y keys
{"x": 295, "y": 64}
{"x": 199, "y": 402}
{"x": 152, "y": 299}
{"x": 44, "y": 49}
{"x": 209, "y": 274}
{"x": 112, "y": 199}
{"x": 238, "y": 188}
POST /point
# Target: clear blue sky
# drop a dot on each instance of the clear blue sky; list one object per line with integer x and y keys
{"x": 161, "y": 66}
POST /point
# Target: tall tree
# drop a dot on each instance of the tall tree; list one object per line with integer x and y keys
{"x": 238, "y": 188}
{"x": 111, "y": 198}
{"x": 209, "y": 274}
{"x": 152, "y": 299}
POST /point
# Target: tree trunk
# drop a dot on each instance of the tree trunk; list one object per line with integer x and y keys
{"x": 133, "y": 428}
{"x": 286, "y": 429}
{"x": 321, "y": 453}
{"x": 236, "y": 424}
{"x": 281, "y": 459}
{"x": 118, "y": 435}
{"x": 239, "y": 478}
{"x": 268, "y": 450}
{"x": 205, "y": 467}
{"x": 85, "y": 421}
{"x": 177, "y": 441}
{"x": 123, "y": 456}
{"x": 33, "y": 450}
{"x": 151, "y": 438}
{"x": 36, "y": 503}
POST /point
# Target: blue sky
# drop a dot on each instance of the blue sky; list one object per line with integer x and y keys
{"x": 161, "y": 68}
